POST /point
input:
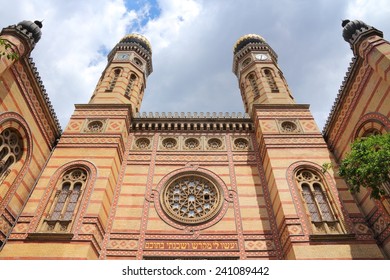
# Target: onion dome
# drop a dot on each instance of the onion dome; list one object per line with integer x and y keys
{"x": 355, "y": 31}
{"x": 137, "y": 39}
{"x": 353, "y": 27}
{"x": 32, "y": 27}
{"x": 247, "y": 39}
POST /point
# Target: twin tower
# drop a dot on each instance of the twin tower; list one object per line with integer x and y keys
{"x": 130, "y": 63}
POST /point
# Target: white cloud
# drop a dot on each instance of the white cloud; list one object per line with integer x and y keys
{"x": 69, "y": 56}
{"x": 175, "y": 14}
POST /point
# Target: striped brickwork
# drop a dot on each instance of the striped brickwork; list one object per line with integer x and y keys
{"x": 364, "y": 105}
{"x": 23, "y": 108}
{"x": 282, "y": 153}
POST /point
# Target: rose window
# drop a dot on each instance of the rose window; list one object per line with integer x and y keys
{"x": 214, "y": 143}
{"x": 288, "y": 126}
{"x": 169, "y": 143}
{"x": 191, "y": 143}
{"x": 95, "y": 126}
{"x": 142, "y": 143}
{"x": 241, "y": 143}
{"x": 191, "y": 199}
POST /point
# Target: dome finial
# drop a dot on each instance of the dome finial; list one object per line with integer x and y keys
{"x": 34, "y": 28}
{"x": 39, "y": 23}
{"x": 345, "y": 22}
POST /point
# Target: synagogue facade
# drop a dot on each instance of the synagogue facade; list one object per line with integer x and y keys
{"x": 118, "y": 183}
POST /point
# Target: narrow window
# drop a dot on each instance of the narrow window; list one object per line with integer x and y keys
{"x": 321, "y": 213}
{"x": 252, "y": 81}
{"x": 114, "y": 79}
{"x": 271, "y": 80}
{"x": 66, "y": 200}
{"x": 11, "y": 150}
{"x": 130, "y": 85}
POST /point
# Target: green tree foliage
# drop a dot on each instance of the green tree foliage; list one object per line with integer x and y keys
{"x": 7, "y": 45}
{"x": 368, "y": 165}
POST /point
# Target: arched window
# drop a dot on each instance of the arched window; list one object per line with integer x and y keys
{"x": 11, "y": 150}
{"x": 130, "y": 85}
{"x": 117, "y": 71}
{"x": 271, "y": 81}
{"x": 66, "y": 200}
{"x": 252, "y": 81}
{"x": 370, "y": 132}
{"x": 313, "y": 190}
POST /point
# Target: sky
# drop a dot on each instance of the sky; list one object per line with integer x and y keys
{"x": 192, "y": 44}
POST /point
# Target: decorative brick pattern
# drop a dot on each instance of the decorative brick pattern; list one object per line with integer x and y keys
{"x": 259, "y": 245}
{"x": 74, "y": 126}
{"x": 122, "y": 244}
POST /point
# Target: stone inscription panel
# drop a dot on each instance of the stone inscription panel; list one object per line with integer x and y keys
{"x": 192, "y": 245}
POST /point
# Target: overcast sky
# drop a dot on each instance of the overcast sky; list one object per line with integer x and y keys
{"x": 192, "y": 42}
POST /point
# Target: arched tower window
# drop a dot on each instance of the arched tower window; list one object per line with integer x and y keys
{"x": 117, "y": 72}
{"x": 252, "y": 81}
{"x": 314, "y": 195}
{"x": 130, "y": 85}
{"x": 11, "y": 150}
{"x": 271, "y": 81}
{"x": 66, "y": 200}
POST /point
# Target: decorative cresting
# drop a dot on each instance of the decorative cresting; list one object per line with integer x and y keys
{"x": 11, "y": 150}
{"x": 313, "y": 191}
{"x": 191, "y": 198}
{"x": 65, "y": 200}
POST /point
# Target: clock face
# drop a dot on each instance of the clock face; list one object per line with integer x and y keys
{"x": 122, "y": 56}
{"x": 261, "y": 56}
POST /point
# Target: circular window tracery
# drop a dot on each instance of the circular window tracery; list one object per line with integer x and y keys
{"x": 169, "y": 143}
{"x": 241, "y": 143}
{"x": 214, "y": 143}
{"x": 95, "y": 126}
{"x": 192, "y": 143}
{"x": 142, "y": 143}
{"x": 191, "y": 199}
{"x": 288, "y": 126}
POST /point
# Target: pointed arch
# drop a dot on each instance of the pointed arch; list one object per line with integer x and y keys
{"x": 269, "y": 75}
{"x": 115, "y": 73}
{"x": 251, "y": 77}
{"x": 371, "y": 123}
{"x": 132, "y": 81}
{"x": 316, "y": 200}
{"x": 65, "y": 199}
{"x": 13, "y": 128}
